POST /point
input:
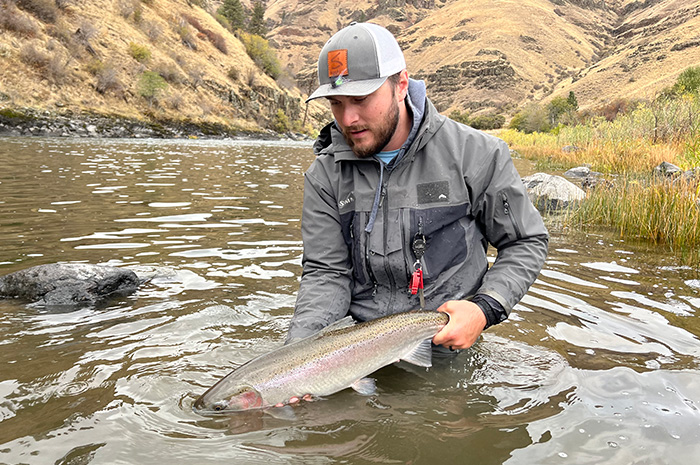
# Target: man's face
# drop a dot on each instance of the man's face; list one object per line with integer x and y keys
{"x": 368, "y": 123}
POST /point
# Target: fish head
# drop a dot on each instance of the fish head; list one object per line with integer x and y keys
{"x": 241, "y": 397}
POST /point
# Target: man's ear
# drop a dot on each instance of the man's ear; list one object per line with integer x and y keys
{"x": 402, "y": 90}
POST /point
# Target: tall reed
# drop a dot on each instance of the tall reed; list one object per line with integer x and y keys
{"x": 661, "y": 210}
{"x": 639, "y": 204}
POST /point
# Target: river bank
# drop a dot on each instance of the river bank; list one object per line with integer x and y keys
{"x": 35, "y": 123}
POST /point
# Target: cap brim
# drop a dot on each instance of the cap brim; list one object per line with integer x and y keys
{"x": 348, "y": 88}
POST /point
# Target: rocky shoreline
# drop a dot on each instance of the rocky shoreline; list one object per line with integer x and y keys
{"x": 34, "y": 123}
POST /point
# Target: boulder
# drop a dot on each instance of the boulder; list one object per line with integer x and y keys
{"x": 667, "y": 169}
{"x": 578, "y": 172}
{"x": 68, "y": 284}
{"x": 550, "y": 193}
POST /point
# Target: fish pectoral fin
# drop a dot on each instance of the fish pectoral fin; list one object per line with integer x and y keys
{"x": 365, "y": 386}
{"x": 282, "y": 413}
{"x": 421, "y": 355}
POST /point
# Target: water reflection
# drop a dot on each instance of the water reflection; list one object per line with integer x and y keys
{"x": 598, "y": 364}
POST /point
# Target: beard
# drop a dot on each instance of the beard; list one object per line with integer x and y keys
{"x": 383, "y": 133}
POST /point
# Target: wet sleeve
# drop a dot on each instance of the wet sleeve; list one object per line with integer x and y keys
{"x": 325, "y": 289}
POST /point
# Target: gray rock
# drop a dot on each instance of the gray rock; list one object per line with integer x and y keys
{"x": 68, "y": 284}
{"x": 551, "y": 193}
{"x": 578, "y": 172}
{"x": 667, "y": 169}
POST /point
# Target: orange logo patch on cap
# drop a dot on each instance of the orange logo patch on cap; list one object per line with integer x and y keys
{"x": 338, "y": 63}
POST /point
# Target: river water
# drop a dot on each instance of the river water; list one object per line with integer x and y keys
{"x": 597, "y": 364}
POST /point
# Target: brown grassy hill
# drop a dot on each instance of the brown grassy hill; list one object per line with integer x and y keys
{"x": 101, "y": 57}
{"x": 92, "y": 56}
{"x": 499, "y": 54}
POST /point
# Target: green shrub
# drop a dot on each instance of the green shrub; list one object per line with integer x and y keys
{"x": 460, "y": 117}
{"x": 486, "y": 122}
{"x": 532, "y": 118}
{"x": 281, "y": 122}
{"x": 262, "y": 54}
{"x": 151, "y": 85}
{"x": 688, "y": 82}
{"x": 138, "y": 52}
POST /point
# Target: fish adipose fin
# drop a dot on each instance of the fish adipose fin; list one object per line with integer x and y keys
{"x": 422, "y": 355}
{"x": 365, "y": 386}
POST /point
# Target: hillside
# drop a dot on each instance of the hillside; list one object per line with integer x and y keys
{"x": 81, "y": 57}
{"x": 500, "y": 54}
{"x": 161, "y": 61}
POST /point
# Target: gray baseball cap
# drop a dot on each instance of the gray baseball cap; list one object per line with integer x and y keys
{"x": 357, "y": 60}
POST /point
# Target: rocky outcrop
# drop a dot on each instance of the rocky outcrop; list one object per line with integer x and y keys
{"x": 68, "y": 284}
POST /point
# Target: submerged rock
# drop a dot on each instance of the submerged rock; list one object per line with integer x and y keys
{"x": 551, "y": 193}
{"x": 68, "y": 284}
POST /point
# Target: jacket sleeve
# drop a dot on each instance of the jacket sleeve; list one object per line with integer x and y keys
{"x": 512, "y": 225}
{"x": 325, "y": 289}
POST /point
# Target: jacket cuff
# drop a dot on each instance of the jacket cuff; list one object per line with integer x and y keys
{"x": 493, "y": 311}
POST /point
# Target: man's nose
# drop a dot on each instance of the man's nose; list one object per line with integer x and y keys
{"x": 349, "y": 116}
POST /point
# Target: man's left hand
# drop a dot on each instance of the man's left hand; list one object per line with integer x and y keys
{"x": 467, "y": 321}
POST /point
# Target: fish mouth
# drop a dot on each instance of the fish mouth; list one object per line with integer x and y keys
{"x": 246, "y": 399}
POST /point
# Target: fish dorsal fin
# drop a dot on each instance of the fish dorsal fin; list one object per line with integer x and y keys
{"x": 421, "y": 355}
{"x": 340, "y": 324}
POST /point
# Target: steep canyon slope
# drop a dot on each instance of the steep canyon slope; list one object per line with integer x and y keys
{"x": 499, "y": 54}
{"x": 100, "y": 57}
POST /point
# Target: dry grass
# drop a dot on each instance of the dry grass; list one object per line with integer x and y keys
{"x": 661, "y": 210}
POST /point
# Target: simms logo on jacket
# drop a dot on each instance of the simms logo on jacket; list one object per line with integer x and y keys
{"x": 433, "y": 192}
{"x": 350, "y": 199}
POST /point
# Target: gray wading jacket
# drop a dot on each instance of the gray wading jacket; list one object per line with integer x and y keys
{"x": 454, "y": 185}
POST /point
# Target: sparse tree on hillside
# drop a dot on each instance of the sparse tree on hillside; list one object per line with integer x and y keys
{"x": 572, "y": 101}
{"x": 233, "y": 11}
{"x": 257, "y": 20}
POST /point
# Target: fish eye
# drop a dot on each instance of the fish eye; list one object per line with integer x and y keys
{"x": 219, "y": 406}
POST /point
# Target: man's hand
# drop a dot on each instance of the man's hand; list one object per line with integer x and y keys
{"x": 467, "y": 321}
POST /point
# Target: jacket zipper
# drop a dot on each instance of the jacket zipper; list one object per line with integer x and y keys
{"x": 509, "y": 214}
{"x": 387, "y": 267}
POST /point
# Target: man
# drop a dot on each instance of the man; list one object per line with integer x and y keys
{"x": 402, "y": 202}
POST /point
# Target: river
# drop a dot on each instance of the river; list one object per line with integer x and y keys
{"x": 597, "y": 364}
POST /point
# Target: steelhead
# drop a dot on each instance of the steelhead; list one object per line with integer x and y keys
{"x": 337, "y": 357}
